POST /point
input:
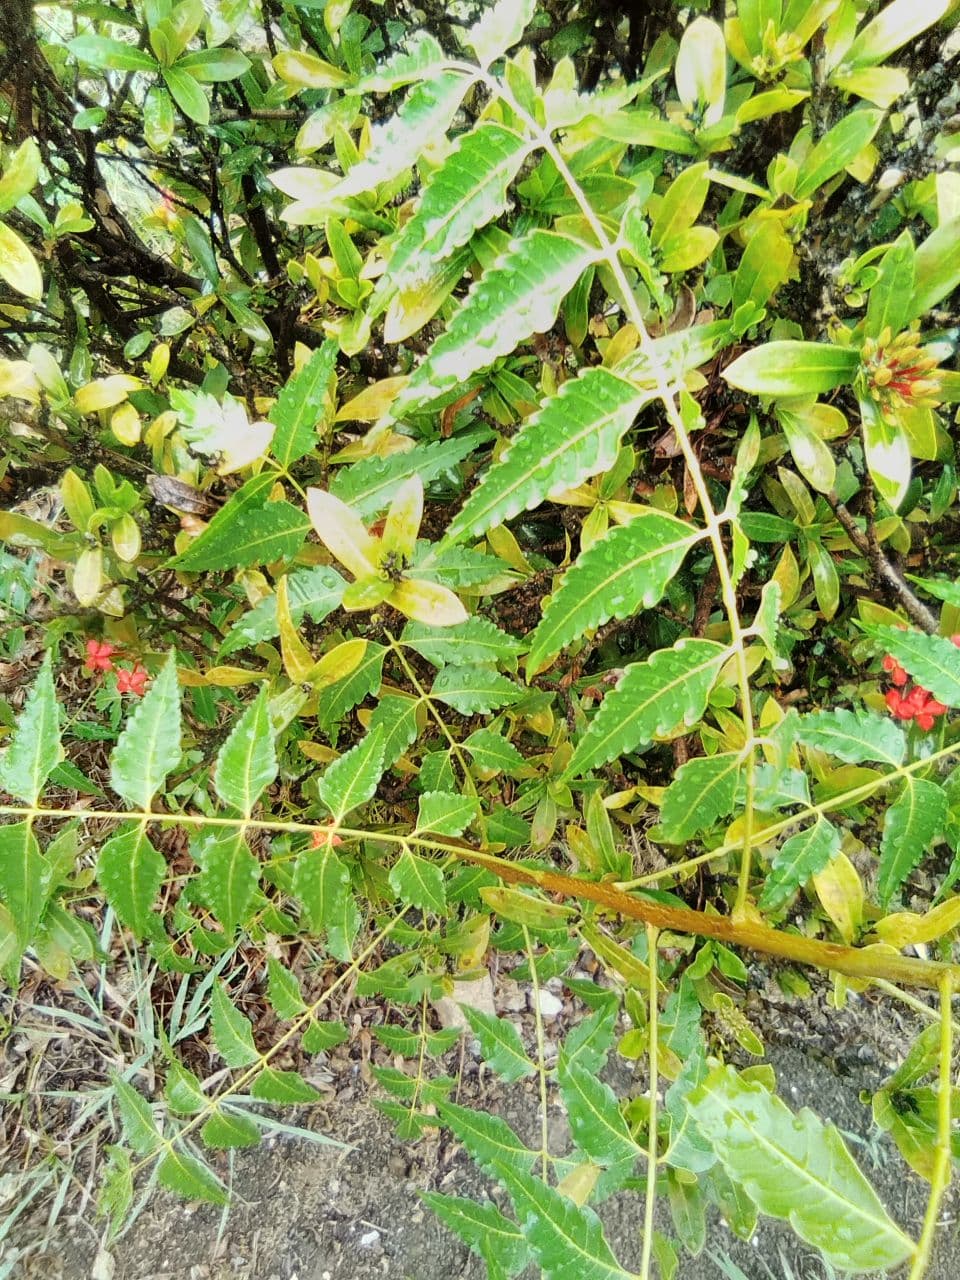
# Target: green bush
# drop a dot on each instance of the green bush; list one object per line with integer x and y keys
{"x": 484, "y": 444}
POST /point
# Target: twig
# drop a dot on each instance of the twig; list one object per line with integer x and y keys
{"x": 883, "y": 569}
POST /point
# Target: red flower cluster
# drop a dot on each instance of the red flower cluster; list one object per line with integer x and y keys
{"x": 100, "y": 658}
{"x": 915, "y": 703}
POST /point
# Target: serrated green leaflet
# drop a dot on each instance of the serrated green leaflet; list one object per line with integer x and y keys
{"x": 473, "y": 690}
{"x": 247, "y": 761}
{"x": 298, "y": 410}
{"x": 231, "y": 1030}
{"x": 369, "y": 486}
{"x": 566, "y": 1240}
{"x": 483, "y": 1228}
{"x": 796, "y": 1168}
{"x": 190, "y": 1178}
{"x": 149, "y": 746}
{"x": 702, "y": 791}
{"x": 422, "y": 56}
{"x": 418, "y": 882}
{"x": 446, "y": 812}
{"x": 34, "y": 749}
{"x": 337, "y": 699}
{"x": 910, "y": 825}
{"x": 499, "y": 29}
{"x": 671, "y": 688}
{"x": 24, "y": 881}
{"x": 227, "y": 1129}
{"x": 321, "y": 882}
{"x": 487, "y": 1138}
{"x": 396, "y": 144}
{"x": 853, "y": 736}
{"x": 136, "y": 1115}
{"x": 624, "y": 572}
{"x": 130, "y": 872}
{"x": 518, "y": 296}
{"x": 259, "y": 536}
{"x": 352, "y": 780}
{"x": 932, "y": 661}
{"x": 468, "y": 190}
{"x": 575, "y": 434}
{"x": 396, "y": 719}
{"x": 797, "y": 859}
{"x": 500, "y": 1044}
{"x": 285, "y": 1087}
{"x": 229, "y": 876}
{"x": 476, "y": 640}
{"x": 312, "y": 593}
{"x": 598, "y": 1128}
{"x": 283, "y": 990}
{"x": 490, "y": 751}
{"x": 588, "y": 1043}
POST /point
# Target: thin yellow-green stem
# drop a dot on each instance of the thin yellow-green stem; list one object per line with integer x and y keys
{"x": 918, "y": 1006}
{"x": 541, "y": 1065}
{"x": 940, "y": 1177}
{"x": 654, "y": 1056}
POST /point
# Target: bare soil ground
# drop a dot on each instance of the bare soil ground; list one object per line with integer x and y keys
{"x": 307, "y": 1212}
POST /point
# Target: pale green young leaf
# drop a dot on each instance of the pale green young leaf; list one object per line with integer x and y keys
{"x": 681, "y": 203}
{"x": 500, "y": 1045}
{"x": 247, "y": 761}
{"x": 299, "y": 408}
{"x": 667, "y": 691}
{"x": 20, "y": 174}
{"x": 18, "y": 266}
{"x": 499, "y": 29}
{"x": 574, "y": 435}
{"x": 286, "y": 1088}
{"x": 396, "y": 718}
{"x": 34, "y": 749}
{"x": 231, "y": 1030}
{"x": 890, "y": 298}
{"x": 702, "y": 791}
{"x": 149, "y": 745}
{"x": 854, "y": 736}
{"x": 932, "y": 661}
{"x": 25, "y": 882}
{"x": 446, "y": 812}
{"x": 837, "y": 148}
{"x": 792, "y": 368}
{"x": 519, "y": 295}
{"x": 136, "y": 1116}
{"x": 229, "y": 876}
{"x": 802, "y": 856}
{"x": 764, "y": 266}
{"x": 894, "y": 26}
{"x": 130, "y": 872}
{"x": 465, "y": 192}
{"x": 110, "y": 55}
{"x": 187, "y": 94}
{"x": 395, "y": 145}
{"x": 622, "y": 573}
{"x": 483, "y": 1228}
{"x": 701, "y": 69}
{"x": 487, "y": 1138}
{"x": 598, "y": 1127}
{"x": 226, "y": 1130}
{"x": 369, "y": 486}
{"x": 116, "y": 1188}
{"x": 283, "y": 990}
{"x": 566, "y": 1240}
{"x": 937, "y": 266}
{"x": 754, "y": 15}
{"x": 189, "y": 1177}
{"x": 476, "y": 640}
{"x": 910, "y": 826}
{"x": 473, "y": 690}
{"x": 797, "y": 1169}
{"x": 352, "y": 779}
{"x": 492, "y": 752}
{"x": 418, "y": 883}
{"x": 811, "y": 453}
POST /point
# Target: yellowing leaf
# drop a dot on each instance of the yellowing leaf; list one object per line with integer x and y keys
{"x": 403, "y": 520}
{"x": 17, "y": 378}
{"x": 701, "y": 69}
{"x": 18, "y": 266}
{"x": 428, "y": 602}
{"x": 343, "y": 533}
{"x": 906, "y": 928}
{"x": 307, "y": 71}
{"x": 372, "y": 402}
{"x": 338, "y": 663}
{"x": 298, "y": 661}
{"x": 104, "y": 393}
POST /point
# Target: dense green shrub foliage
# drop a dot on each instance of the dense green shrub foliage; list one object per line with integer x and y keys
{"x": 499, "y": 475}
